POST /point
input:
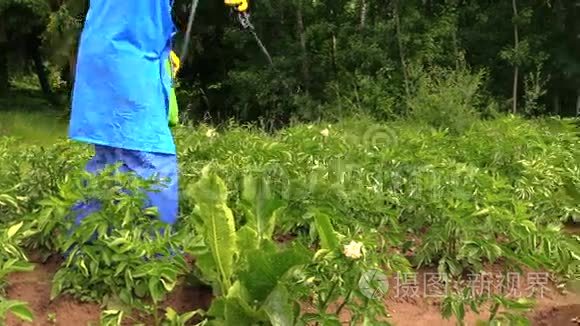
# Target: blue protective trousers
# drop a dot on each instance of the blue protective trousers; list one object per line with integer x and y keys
{"x": 120, "y": 100}
{"x": 145, "y": 165}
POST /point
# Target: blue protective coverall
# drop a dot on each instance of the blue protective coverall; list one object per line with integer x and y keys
{"x": 120, "y": 98}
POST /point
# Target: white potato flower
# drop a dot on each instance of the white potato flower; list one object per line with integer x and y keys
{"x": 211, "y": 133}
{"x": 353, "y": 250}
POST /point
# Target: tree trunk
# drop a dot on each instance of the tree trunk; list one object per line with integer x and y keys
{"x": 41, "y": 72}
{"x": 335, "y": 26}
{"x": 302, "y": 37}
{"x": 456, "y": 49}
{"x": 515, "y": 90}
{"x": 578, "y": 104}
{"x": 334, "y": 67}
{"x": 4, "y": 78}
{"x": 397, "y": 17}
{"x": 517, "y": 68}
{"x": 72, "y": 64}
{"x": 364, "y": 8}
{"x": 557, "y": 104}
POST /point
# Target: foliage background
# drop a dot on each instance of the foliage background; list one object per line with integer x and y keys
{"x": 331, "y": 57}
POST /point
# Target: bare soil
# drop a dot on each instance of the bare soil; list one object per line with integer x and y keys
{"x": 562, "y": 315}
{"x": 419, "y": 304}
{"x": 34, "y": 287}
{"x": 408, "y": 303}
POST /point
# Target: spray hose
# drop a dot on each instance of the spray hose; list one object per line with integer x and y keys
{"x": 243, "y": 18}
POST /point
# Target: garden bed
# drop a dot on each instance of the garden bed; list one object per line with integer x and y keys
{"x": 292, "y": 228}
{"x": 554, "y": 308}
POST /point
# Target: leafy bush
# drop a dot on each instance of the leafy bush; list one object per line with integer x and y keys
{"x": 119, "y": 253}
{"x": 447, "y": 99}
{"x": 32, "y": 173}
{"x": 254, "y": 277}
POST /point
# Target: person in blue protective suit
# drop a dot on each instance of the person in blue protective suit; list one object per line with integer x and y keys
{"x": 121, "y": 95}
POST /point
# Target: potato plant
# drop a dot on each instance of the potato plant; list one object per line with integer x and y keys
{"x": 267, "y": 216}
{"x": 119, "y": 254}
{"x": 13, "y": 259}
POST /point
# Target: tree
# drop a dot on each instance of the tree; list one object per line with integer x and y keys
{"x": 358, "y": 52}
{"x": 22, "y": 23}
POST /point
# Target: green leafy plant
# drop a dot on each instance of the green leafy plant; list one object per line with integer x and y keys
{"x": 13, "y": 259}
{"x": 17, "y": 308}
{"x": 172, "y": 318}
{"x": 51, "y": 318}
{"x": 513, "y": 312}
{"x": 245, "y": 267}
{"x": 119, "y": 254}
{"x": 346, "y": 275}
{"x": 277, "y": 219}
{"x": 447, "y": 99}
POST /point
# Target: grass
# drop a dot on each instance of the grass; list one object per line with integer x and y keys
{"x": 27, "y": 116}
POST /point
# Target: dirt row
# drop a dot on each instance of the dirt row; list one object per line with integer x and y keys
{"x": 412, "y": 300}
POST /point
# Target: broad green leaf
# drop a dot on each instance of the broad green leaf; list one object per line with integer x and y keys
{"x": 208, "y": 268}
{"x": 261, "y": 206}
{"x": 15, "y": 265}
{"x": 196, "y": 246}
{"x": 210, "y": 189}
{"x": 447, "y": 307}
{"x": 170, "y": 314}
{"x": 112, "y": 317}
{"x": 83, "y": 267}
{"x": 140, "y": 290}
{"x": 215, "y": 322}
{"x": 7, "y": 199}
{"x": 168, "y": 285}
{"x": 20, "y": 309}
{"x": 328, "y": 237}
{"x": 268, "y": 246}
{"x": 458, "y": 310}
{"x": 529, "y": 225}
{"x": 247, "y": 238}
{"x": 235, "y": 314}
{"x": 14, "y": 229}
{"x": 267, "y": 269}
{"x": 218, "y": 222}
{"x": 189, "y": 315}
{"x": 121, "y": 268}
{"x": 280, "y": 307}
{"x": 126, "y": 298}
{"x": 331, "y": 321}
{"x": 518, "y": 304}
{"x": 156, "y": 289}
{"x": 57, "y": 284}
{"x": 238, "y": 292}
{"x": 217, "y": 308}
{"x": 120, "y": 302}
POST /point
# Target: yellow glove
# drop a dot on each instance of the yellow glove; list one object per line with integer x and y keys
{"x": 239, "y": 5}
{"x": 175, "y": 62}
